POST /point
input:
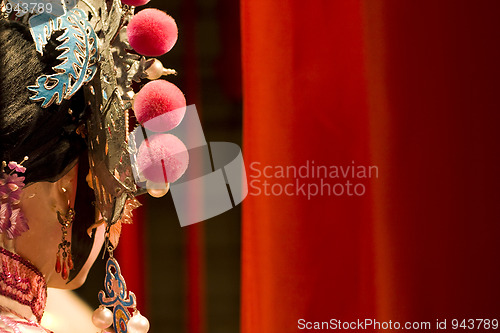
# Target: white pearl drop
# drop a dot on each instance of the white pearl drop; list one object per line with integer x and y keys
{"x": 102, "y": 317}
{"x": 157, "y": 190}
{"x": 138, "y": 324}
{"x": 155, "y": 70}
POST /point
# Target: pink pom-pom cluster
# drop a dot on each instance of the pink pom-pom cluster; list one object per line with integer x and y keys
{"x": 159, "y": 106}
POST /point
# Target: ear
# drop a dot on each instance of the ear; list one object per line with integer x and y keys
{"x": 65, "y": 189}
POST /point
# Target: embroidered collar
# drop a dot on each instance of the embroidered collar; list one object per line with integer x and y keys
{"x": 21, "y": 281}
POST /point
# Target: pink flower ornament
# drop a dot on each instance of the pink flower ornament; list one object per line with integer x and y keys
{"x": 12, "y": 220}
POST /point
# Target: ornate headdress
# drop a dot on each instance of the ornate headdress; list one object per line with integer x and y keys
{"x": 97, "y": 55}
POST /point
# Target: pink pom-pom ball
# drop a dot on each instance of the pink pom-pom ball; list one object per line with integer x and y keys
{"x": 162, "y": 158}
{"x": 159, "y": 106}
{"x": 135, "y": 2}
{"x": 152, "y": 32}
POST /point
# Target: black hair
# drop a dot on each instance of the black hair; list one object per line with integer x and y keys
{"x": 46, "y": 135}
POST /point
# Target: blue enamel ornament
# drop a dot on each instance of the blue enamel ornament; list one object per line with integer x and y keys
{"x": 115, "y": 295}
{"x": 78, "y": 60}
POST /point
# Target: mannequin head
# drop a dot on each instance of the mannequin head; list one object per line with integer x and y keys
{"x": 49, "y": 137}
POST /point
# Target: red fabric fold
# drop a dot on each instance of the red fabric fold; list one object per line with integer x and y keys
{"x": 409, "y": 87}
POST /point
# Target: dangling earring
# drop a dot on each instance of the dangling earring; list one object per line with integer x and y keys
{"x": 66, "y": 264}
{"x": 116, "y": 296}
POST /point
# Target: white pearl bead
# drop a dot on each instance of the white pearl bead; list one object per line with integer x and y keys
{"x": 157, "y": 190}
{"x": 138, "y": 324}
{"x": 102, "y": 317}
{"x": 155, "y": 70}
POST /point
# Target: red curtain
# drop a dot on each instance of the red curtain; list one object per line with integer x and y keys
{"x": 410, "y": 87}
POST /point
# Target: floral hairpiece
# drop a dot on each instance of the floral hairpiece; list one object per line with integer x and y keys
{"x": 12, "y": 220}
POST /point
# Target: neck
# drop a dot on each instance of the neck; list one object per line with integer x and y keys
{"x": 23, "y": 288}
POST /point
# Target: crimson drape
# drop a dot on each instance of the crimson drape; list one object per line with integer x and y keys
{"x": 410, "y": 87}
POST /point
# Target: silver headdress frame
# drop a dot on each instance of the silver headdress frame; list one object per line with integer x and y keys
{"x": 108, "y": 97}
